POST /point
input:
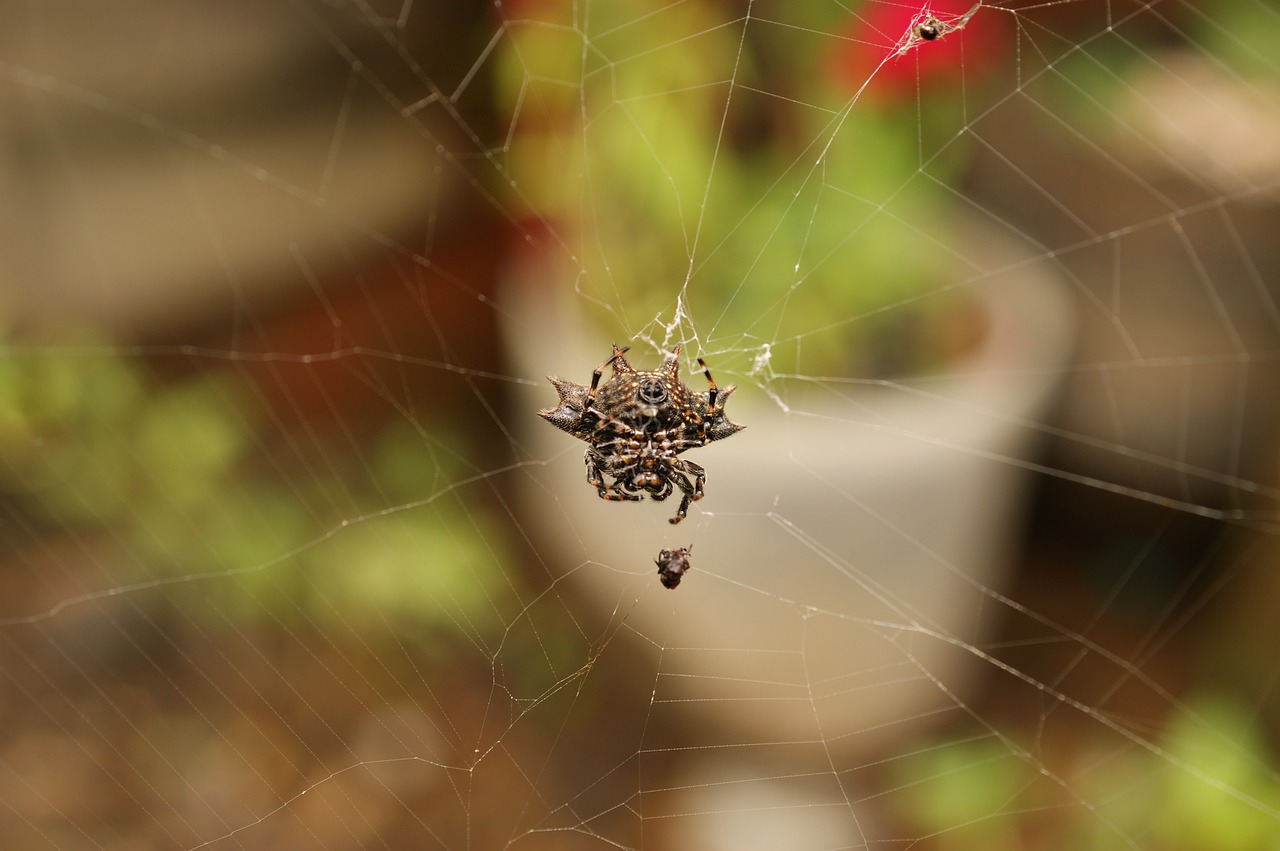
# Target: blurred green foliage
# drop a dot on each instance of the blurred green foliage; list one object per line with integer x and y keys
{"x": 192, "y": 478}
{"x": 1242, "y": 34}
{"x": 669, "y": 148}
{"x": 1209, "y": 782}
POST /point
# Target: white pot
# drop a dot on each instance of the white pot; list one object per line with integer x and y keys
{"x": 848, "y": 552}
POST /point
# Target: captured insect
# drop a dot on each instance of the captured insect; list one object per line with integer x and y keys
{"x": 673, "y": 565}
{"x": 929, "y": 27}
{"x": 637, "y": 423}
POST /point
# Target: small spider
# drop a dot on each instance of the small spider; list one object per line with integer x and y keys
{"x": 673, "y": 565}
{"x": 637, "y": 424}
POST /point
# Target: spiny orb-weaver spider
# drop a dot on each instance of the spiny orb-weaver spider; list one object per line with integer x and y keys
{"x": 637, "y": 423}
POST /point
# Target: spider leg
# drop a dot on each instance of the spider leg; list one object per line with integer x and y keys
{"x": 599, "y": 371}
{"x": 699, "y": 477}
{"x": 711, "y": 397}
{"x": 692, "y": 492}
{"x": 684, "y": 502}
{"x": 610, "y": 492}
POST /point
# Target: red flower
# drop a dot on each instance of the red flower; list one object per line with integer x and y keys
{"x": 897, "y": 48}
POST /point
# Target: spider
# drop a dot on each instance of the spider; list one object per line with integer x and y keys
{"x": 673, "y": 565}
{"x": 637, "y": 423}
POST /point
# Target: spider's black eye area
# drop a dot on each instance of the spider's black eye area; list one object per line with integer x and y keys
{"x": 652, "y": 391}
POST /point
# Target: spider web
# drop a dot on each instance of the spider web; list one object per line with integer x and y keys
{"x": 289, "y": 560}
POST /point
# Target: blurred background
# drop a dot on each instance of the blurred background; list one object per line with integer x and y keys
{"x": 288, "y": 560}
